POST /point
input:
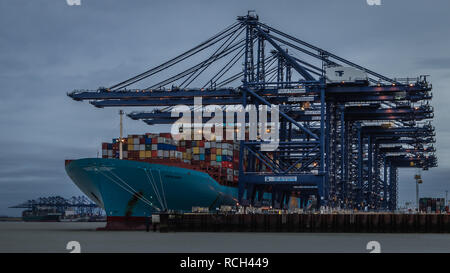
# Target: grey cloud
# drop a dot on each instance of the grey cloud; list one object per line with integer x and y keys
{"x": 436, "y": 63}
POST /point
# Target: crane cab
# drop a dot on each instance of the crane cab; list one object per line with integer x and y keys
{"x": 340, "y": 75}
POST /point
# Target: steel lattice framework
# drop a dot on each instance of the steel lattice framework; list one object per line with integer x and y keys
{"x": 341, "y": 142}
{"x": 81, "y": 204}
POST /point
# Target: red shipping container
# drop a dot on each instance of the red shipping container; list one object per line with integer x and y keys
{"x": 142, "y": 141}
{"x": 201, "y": 144}
{"x": 181, "y": 149}
{"x": 104, "y": 146}
{"x": 167, "y": 135}
{"x": 154, "y": 153}
{"x": 155, "y": 140}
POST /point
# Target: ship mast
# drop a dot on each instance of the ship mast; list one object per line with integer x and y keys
{"x": 121, "y": 135}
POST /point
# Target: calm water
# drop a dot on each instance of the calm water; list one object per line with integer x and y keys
{"x": 53, "y": 237}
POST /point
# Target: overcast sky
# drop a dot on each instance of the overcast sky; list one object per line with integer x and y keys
{"x": 48, "y": 48}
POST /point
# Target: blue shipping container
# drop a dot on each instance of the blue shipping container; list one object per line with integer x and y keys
{"x": 162, "y": 146}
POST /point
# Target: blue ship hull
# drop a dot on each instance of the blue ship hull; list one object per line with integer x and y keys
{"x": 125, "y": 188}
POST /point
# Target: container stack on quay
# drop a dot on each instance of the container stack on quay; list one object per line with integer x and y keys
{"x": 432, "y": 205}
{"x": 220, "y": 159}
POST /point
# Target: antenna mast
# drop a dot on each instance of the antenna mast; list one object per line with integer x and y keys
{"x": 121, "y": 135}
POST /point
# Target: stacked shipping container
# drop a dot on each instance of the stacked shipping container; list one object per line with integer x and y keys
{"x": 432, "y": 205}
{"x": 220, "y": 159}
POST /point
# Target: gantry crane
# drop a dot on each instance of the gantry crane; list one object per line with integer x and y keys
{"x": 342, "y": 139}
{"x": 81, "y": 204}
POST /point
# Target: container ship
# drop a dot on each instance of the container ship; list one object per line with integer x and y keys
{"x": 157, "y": 173}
